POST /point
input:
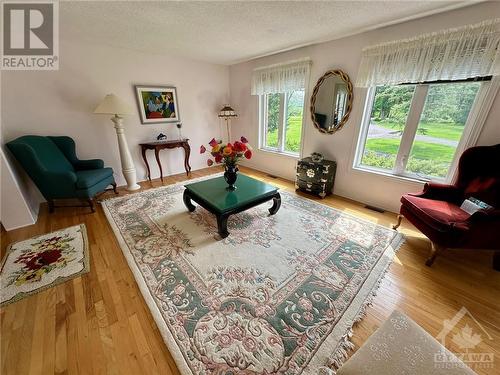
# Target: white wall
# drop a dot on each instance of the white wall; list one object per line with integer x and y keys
{"x": 12, "y": 199}
{"x": 345, "y": 54}
{"x": 61, "y": 103}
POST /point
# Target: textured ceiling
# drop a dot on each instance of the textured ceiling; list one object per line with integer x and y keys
{"x": 227, "y": 32}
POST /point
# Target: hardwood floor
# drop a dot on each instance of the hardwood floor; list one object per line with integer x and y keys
{"x": 99, "y": 323}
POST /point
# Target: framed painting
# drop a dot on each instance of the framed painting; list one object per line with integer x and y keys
{"x": 157, "y": 104}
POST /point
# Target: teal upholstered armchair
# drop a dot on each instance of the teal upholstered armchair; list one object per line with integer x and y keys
{"x": 52, "y": 164}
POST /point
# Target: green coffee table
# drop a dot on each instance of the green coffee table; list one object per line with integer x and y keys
{"x": 212, "y": 195}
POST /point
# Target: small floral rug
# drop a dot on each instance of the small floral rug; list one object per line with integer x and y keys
{"x": 39, "y": 263}
{"x": 280, "y": 294}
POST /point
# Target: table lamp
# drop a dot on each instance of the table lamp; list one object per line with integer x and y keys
{"x": 113, "y": 105}
{"x": 226, "y": 113}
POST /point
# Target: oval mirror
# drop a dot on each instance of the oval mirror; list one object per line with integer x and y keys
{"x": 331, "y": 101}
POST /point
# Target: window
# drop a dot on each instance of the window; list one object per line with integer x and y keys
{"x": 281, "y": 90}
{"x": 281, "y": 121}
{"x": 414, "y": 130}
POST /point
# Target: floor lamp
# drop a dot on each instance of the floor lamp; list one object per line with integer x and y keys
{"x": 226, "y": 113}
{"x": 113, "y": 105}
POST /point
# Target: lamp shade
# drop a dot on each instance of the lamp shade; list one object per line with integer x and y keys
{"x": 113, "y": 105}
{"x": 227, "y": 111}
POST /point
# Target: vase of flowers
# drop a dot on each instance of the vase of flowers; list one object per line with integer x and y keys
{"x": 228, "y": 154}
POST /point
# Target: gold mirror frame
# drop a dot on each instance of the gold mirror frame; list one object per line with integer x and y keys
{"x": 346, "y": 79}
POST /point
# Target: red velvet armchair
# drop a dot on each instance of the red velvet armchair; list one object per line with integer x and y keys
{"x": 436, "y": 210}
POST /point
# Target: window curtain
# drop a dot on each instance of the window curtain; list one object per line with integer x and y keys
{"x": 460, "y": 53}
{"x": 278, "y": 78}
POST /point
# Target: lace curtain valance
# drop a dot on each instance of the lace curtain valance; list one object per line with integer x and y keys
{"x": 460, "y": 53}
{"x": 278, "y": 78}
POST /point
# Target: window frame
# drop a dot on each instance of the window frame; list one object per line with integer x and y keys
{"x": 263, "y": 113}
{"x": 472, "y": 129}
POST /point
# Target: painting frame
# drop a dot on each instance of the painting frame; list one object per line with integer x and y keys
{"x": 157, "y": 104}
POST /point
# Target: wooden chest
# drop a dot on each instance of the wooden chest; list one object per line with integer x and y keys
{"x": 315, "y": 178}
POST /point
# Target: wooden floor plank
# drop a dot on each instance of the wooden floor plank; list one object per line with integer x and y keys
{"x": 24, "y": 337}
{"x": 37, "y": 349}
{"x": 61, "y": 343}
{"x": 107, "y": 344}
{"x": 72, "y": 339}
{"x": 49, "y": 332}
{"x": 99, "y": 322}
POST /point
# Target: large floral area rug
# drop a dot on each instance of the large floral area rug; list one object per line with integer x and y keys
{"x": 280, "y": 294}
{"x": 38, "y": 263}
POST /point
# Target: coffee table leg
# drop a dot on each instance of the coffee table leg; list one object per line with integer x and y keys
{"x": 187, "y": 201}
{"x": 276, "y": 204}
{"x": 222, "y": 225}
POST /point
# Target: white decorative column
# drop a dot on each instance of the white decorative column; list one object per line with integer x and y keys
{"x": 115, "y": 106}
{"x": 128, "y": 168}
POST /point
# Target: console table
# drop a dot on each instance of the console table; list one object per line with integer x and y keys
{"x": 160, "y": 145}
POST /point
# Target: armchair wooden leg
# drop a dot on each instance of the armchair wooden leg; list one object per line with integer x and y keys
{"x": 496, "y": 261}
{"x": 435, "y": 249}
{"x": 400, "y": 218}
{"x": 114, "y": 187}
{"x": 91, "y": 204}
{"x": 51, "y": 205}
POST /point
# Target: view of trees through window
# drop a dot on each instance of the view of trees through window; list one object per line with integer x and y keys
{"x": 292, "y": 113}
{"x": 439, "y": 130}
{"x": 273, "y": 119}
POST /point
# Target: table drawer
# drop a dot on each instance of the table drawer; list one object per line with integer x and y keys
{"x": 315, "y": 172}
{"x": 321, "y": 189}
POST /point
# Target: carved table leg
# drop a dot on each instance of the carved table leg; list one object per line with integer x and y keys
{"x": 187, "y": 152}
{"x": 222, "y": 225}
{"x": 143, "y": 151}
{"x": 187, "y": 201}
{"x": 276, "y": 204}
{"x": 157, "y": 156}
